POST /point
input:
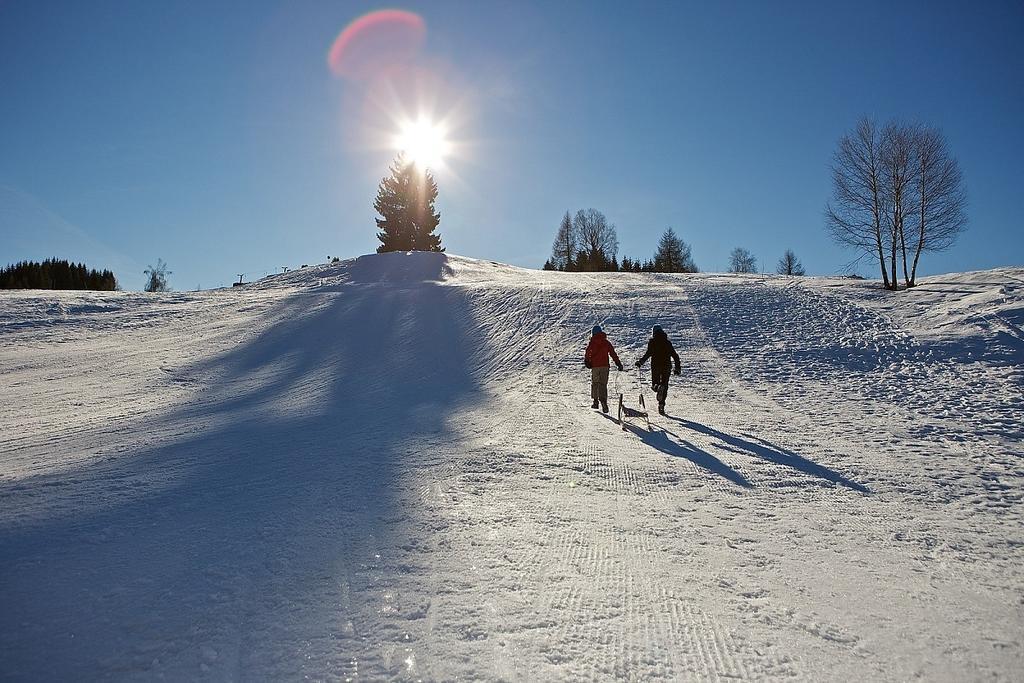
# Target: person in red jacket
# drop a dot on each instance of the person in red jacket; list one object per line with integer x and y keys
{"x": 596, "y": 358}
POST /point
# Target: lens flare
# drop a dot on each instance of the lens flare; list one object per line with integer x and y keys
{"x": 423, "y": 142}
{"x": 377, "y": 44}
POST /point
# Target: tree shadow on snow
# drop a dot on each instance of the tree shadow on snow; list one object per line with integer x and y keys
{"x": 254, "y": 541}
{"x": 765, "y": 450}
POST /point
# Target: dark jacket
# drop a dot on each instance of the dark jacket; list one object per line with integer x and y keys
{"x": 598, "y": 351}
{"x": 660, "y": 351}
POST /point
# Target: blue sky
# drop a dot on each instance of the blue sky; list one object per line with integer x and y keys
{"x": 214, "y": 136}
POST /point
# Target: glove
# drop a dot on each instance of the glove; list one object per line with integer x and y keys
{"x": 676, "y": 371}
{"x": 620, "y": 367}
{"x": 586, "y": 364}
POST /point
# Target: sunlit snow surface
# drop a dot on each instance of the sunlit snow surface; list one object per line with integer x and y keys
{"x": 388, "y": 468}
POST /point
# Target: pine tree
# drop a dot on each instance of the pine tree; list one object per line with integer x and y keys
{"x": 582, "y": 261}
{"x": 564, "y": 248}
{"x": 405, "y": 201}
{"x": 673, "y": 255}
{"x": 55, "y": 274}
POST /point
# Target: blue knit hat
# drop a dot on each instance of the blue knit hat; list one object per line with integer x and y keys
{"x": 596, "y": 330}
{"x": 657, "y": 329}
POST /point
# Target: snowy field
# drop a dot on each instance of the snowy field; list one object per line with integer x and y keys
{"x": 388, "y": 468}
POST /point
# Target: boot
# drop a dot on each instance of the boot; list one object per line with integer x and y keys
{"x": 661, "y": 408}
{"x": 595, "y": 404}
{"x": 604, "y": 406}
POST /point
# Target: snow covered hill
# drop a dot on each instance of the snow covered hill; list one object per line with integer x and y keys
{"x": 388, "y": 468}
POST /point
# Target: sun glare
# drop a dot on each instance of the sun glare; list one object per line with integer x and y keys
{"x": 423, "y": 142}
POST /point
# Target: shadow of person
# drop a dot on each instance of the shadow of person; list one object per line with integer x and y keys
{"x": 765, "y": 450}
{"x": 659, "y": 439}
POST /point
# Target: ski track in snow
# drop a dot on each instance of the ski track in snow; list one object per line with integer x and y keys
{"x": 388, "y": 468}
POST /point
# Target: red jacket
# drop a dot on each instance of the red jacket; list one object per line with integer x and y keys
{"x": 598, "y": 351}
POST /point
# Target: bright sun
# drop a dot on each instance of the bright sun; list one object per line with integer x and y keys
{"x": 423, "y": 142}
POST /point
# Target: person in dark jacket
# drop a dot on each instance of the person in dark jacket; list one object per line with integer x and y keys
{"x": 596, "y": 358}
{"x": 661, "y": 353}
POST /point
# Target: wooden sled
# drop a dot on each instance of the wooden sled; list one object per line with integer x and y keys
{"x": 627, "y": 413}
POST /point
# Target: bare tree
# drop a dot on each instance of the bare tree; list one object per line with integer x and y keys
{"x": 855, "y": 216}
{"x": 789, "y": 264}
{"x": 940, "y": 202}
{"x": 742, "y": 261}
{"x": 896, "y": 194}
{"x": 597, "y": 239}
{"x": 564, "y": 249}
{"x": 898, "y": 169}
{"x": 157, "y": 275}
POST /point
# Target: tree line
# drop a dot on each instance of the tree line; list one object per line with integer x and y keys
{"x": 742, "y": 261}
{"x": 56, "y": 274}
{"x": 897, "y": 194}
{"x": 585, "y": 241}
{"x": 588, "y": 242}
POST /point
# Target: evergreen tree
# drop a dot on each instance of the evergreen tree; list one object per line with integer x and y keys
{"x": 548, "y": 265}
{"x": 405, "y": 202}
{"x": 582, "y": 261}
{"x": 673, "y": 255}
{"x": 627, "y": 264}
{"x": 564, "y": 248}
{"x": 55, "y": 274}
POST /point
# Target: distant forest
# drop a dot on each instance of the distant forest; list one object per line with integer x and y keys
{"x": 55, "y": 274}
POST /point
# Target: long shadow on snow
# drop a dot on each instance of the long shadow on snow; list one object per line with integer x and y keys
{"x": 766, "y": 450}
{"x": 267, "y": 553}
{"x": 659, "y": 439}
